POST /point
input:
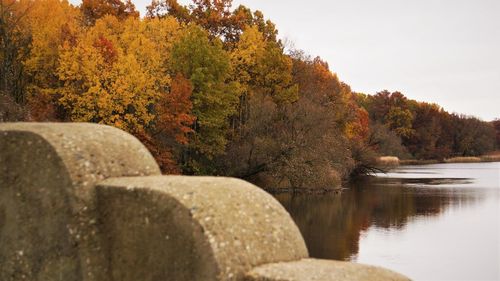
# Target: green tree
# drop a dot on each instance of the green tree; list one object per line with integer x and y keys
{"x": 207, "y": 66}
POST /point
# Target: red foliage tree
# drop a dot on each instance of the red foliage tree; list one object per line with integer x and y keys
{"x": 108, "y": 51}
{"x": 172, "y": 127}
{"x": 174, "y": 110}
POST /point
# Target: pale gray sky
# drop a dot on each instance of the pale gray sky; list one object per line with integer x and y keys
{"x": 442, "y": 51}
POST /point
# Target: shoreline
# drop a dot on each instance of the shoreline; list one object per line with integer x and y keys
{"x": 389, "y": 161}
{"x": 386, "y": 167}
{"x": 276, "y": 191}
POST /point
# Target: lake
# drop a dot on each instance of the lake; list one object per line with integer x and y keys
{"x": 429, "y": 222}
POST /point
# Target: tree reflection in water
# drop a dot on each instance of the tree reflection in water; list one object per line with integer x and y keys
{"x": 332, "y": 223}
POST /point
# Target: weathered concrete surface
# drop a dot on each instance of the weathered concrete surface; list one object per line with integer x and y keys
{"x": 192, "y": 228}
{"x": 48, "y": 172}
{"x": 321, "y": 270}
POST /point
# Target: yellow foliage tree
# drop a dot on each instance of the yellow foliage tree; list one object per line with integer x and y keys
{"x": 50, "y": 23}
{"x": 248, "y": 53}
{"x": 116, "y": 72}
{"x": 260, "y": 68}
{"x": 260, "y": 64}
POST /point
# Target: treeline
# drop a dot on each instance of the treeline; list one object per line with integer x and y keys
{"x": 209, "y": 89}
{"x": 409, "y": 129}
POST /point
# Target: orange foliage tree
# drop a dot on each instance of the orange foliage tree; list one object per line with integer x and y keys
{"x": 95, "y": 9}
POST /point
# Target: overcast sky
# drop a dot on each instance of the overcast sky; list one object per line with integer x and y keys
{"x": 442, "y": 51}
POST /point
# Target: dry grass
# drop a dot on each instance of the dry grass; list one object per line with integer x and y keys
{"x": 491, "y": 157}
{"x": 388, "y": 161}
{"x": 463, "y": 160}
{"x": 418, "y": 162}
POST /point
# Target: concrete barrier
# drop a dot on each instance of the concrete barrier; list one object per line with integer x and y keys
{"x": 87, "y": 202}
{"x": 315, "y": 270}
{"x": 48, "y": 174}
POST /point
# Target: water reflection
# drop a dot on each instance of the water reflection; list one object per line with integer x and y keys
{"x": 405, "y": 212}
{"x": 331, "y": 224}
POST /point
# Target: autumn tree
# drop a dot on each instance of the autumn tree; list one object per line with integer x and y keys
{"x": 382, "y": 102}
{"x": 118, "y": 72}
{"x": 245, "y": 58}
{"x": 170, "y": 135}
{"x": 212, "y": 16}
{"x": 391, "y": 117}
{"x": 216, "y": 17}
{"x": 473, "y": 137}
{"x": 358, "y": 128}
{"x": 95, "y": 9}
{"x": 294, "y": 144}
{"x": 164, "y": 8}
{"x": 294, "y": 148}
{"x": 334, "y": 100}
{"x": 106, "y": 78}
{"x": 14, "y": 47}
{"x": 400, "y": 121}
{"x": 173, "y": 110}
{"x": 386, "y": 142}
{"x": 428, "y": 129}
{"x": 10, "y": 110}
{"x": 496, "y": 125}
{"x": 276, "y": 78}
{"x": 206, "y": 65}
{"x": 51, "y": 23}
{"x": 261, "y": 68}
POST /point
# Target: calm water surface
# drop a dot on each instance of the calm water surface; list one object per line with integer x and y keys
{"x": 432, "y": 222}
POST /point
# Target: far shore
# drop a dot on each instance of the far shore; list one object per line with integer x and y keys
{"x": 392, "y": 161}
{"x": 384, "y": 164}
{"x": 329, "y": 190}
